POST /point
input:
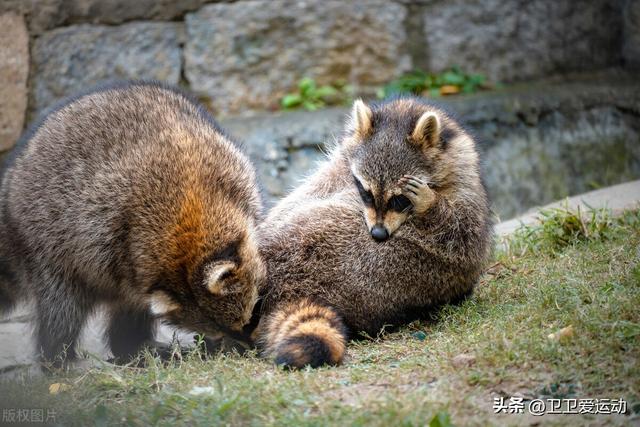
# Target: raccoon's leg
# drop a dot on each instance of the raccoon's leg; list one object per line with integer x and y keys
{"x": 62, "y": 309}
{"x": 8, "y": 288}
{"x": 304, "y": 334}
{"x": 129, "y": 330}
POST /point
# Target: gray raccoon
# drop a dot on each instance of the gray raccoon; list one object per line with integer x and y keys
{"x": 394, "y": 223}
{"x": 129, "y": 195}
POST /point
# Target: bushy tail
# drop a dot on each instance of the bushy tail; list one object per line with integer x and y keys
{"x": 305, "y": 333}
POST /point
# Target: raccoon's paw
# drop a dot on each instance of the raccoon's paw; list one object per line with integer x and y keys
{"x": 418, "y": 192}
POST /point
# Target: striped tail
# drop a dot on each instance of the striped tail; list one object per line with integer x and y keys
{"x": 305, "y": 333}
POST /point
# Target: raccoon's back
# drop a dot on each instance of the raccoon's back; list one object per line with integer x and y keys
{"x": 112, "y": 165}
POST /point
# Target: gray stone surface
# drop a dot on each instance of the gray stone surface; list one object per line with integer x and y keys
{"x": 18, "y": 352}
{"x": 14, "y": 71}
{"x": 246, "y": 55}
{"x": 631, "y": 44}
{"x": 284, "y": 146}
{"x": 45, "y": 15}
{"x": 540, "y": 143}
{"x": 518, "y": 40}
{"x": 73, "y": 58}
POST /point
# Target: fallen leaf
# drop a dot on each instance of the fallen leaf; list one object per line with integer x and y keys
{"x": 56, "y": 388}
{"x": 463, "y": 360}
{"x": 449, "y": 90}
{"x": 563, "y": 334}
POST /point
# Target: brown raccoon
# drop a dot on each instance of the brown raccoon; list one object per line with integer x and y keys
{"x": 394, "y": 223}
{"x": 129, "y": 195}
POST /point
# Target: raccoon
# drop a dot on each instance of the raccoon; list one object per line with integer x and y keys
{"x": 393, "y": 224}
{"x": 130, "y": 196}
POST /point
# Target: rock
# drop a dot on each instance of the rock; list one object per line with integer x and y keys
{"x": 631, "y": 44}
{"x": 247, "y": 55}
{"x": 14, "y": 71}
{"x": 463, "y": 360}
{"x": 41, "y": 15}
{"x": 71, "y": 59}
{"x": 45, "y": 15}
{"x": 508, "y": 40}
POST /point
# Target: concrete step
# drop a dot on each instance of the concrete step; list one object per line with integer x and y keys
{"x": 618, "y": 198}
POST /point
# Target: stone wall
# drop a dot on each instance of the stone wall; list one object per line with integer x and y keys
{"x": 631, "y": 31}
{"x": 14, "y": 71}
{"x": 517, "y": 40}
{"x": 241, "y": 56}
{"x": 98, "y": 52}
{"x": 246, "y": 55}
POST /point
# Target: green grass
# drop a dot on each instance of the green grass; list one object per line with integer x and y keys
{"x": 309, "y": 96}
{"x": 449, "y": 82}
{"x": 586, "y": 276}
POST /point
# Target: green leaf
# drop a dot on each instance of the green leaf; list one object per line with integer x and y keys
{"x": 326, "y": 92}
{"x": 307, "y": 85}
{"x": 476, "y": 79}
{"x": 429, "y": 81}
{"x": 468, "y": 88}
{"x": 452, "y": 78}
{"x": 310, "y": 105}
{"x": 441, "y": 419}
{"x": 291, "y": 101}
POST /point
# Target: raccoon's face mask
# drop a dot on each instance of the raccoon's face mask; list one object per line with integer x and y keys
{"x": 382, "y": 153}
{"x": 384, "y": 209}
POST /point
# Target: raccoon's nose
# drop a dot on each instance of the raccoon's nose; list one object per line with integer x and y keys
{"x": 379, "y": 233}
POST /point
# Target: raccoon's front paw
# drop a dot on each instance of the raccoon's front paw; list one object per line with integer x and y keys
{"x": 418, "y": 192}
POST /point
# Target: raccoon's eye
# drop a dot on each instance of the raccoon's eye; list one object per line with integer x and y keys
{"x": 366, "y": 196}
{"x": 399, "y": 203}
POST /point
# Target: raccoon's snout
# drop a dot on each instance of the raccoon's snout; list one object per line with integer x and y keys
{"x": 379, "y": 233}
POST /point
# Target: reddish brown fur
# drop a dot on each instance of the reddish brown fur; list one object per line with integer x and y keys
{"x": 131, "y": 196}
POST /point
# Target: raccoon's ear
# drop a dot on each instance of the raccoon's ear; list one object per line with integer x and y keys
{"x": 161, "y": 303}
{"x": 215, "y": 274}
{"x": 361, "y": 119}
{"x": 427, "y": 130}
